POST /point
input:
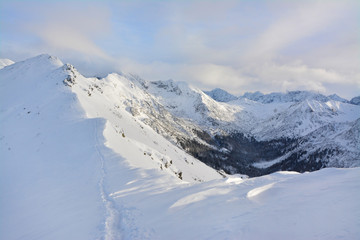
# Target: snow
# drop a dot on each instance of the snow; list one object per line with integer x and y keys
{"x": 291, "y": 96}
{"x": 355, "y": 100}
{"x": 130, "y": 137}
{"x": 278, "y": 206}
{"x": 187, "y": 102}
{"x": 76, "y": 163}
{"x": 272, "y": 116}
{"x": 337, "y": 98}
{"x": 5, "y": 62}
{"x": 220, "y": 95}
{"x": 49, "y": 172}
{"x": 258, "y": 191}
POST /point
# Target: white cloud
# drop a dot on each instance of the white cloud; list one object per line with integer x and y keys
{"x": 267, "y": 77}
{"x": 305, "y": 19}
{"x": 72, "y": 28}
{"x": 235, "y": 45}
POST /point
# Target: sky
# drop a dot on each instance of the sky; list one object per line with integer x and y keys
{"x": 239, "y": 46}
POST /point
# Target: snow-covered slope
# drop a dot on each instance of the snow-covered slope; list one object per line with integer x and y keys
{"x": 355, "y": 100}
{"x": 5, "y": 62}
{"x": 283, "y": 205}
{"x": 53, "y": 137}
{"x": 235, "y": 136}
{"x": 125, "y": 130}
{"x": 243, "y": 132}
{"x": 220, "y": 95}
{"x": 291, "y": 96}
{"x": 49, "y": 167}
{"x": 192, "y": 104}
{"x": 88, "y": 158}
{"x": 337, "y": 98}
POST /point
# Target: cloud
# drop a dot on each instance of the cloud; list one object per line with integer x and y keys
{"x": 73, "y": 31}
{"x": 305, "y": 19}
{"x": 266, "y": 77}
{"x": 64, "y": 29}
{"x": 236, "y": 45}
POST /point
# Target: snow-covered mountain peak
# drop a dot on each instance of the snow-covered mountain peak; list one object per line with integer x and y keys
{"x": 31, "y": 80}
{"x": 173, "y": 87}
{"x": 220, "y": 95}
{"x": 355, "y": 100}
{"x": 191, "y": 103}
{"x": 291, "y": 96}
{"x": 336, "y": 97}
{"x": 254, "y": 96}
{"x": 45, "y": 60}
{"x": 39, "y": 65}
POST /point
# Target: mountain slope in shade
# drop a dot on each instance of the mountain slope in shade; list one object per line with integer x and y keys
{"x": 355, "y": 100}
{"x": 85, "y": 158}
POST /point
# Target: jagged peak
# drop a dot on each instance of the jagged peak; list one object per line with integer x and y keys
{"x": 43, "y": 62}
{"x": 46, "y": 58}
{"x": 171, "y": 86}
{"x": 220, "y": 95}
{"x": 290, "y": 96}
{"x": 171, "y": 82}
{"x": 70, "y": 68}
{"x": 72, "y": 72}
{"x": 136, "y": 79}
{"x": 336, "y": 97}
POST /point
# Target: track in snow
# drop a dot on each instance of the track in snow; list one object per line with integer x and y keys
{"x": 112, "y": 224}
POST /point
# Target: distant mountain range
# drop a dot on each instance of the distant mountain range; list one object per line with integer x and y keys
{"x": 221, "y": 95}
{"x": 254, "y": 134}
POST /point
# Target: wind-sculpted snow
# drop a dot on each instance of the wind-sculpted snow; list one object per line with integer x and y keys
{"x": 5, "y": 62}
{"x": 284, "y": 205}
{"x": 89, "y": 158}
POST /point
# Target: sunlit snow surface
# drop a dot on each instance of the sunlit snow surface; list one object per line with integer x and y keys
{"x": 5, "y": 62}
{"x": 75, "y": 166}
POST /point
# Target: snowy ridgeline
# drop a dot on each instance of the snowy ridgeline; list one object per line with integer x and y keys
{"x": 79, "y": 160}
{"x": 221, "y": 95}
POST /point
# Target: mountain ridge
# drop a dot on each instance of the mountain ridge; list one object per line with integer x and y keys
{"x": 225, "y": 135}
